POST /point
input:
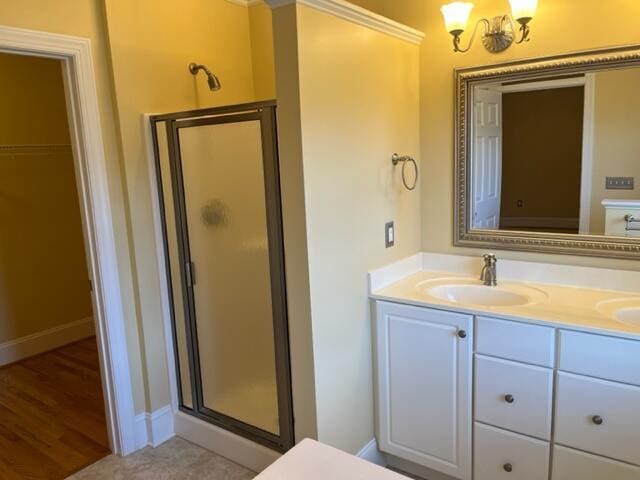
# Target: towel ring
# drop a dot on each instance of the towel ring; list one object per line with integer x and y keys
{"x": 395, "y": 159}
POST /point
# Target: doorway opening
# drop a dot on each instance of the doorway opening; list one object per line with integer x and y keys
{"x": 522, "y": 132}
{"x": 91, "y": 187}
{"x": 52, "y": 406}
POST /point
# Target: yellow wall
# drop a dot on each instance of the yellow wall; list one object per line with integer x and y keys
{"x": 616, "y": 142}
{"x": 349, "y": 125}
{"x": 264, "y": 75}
{"x": 560, "y": 26}
{"x": 84, "y": 18}
{"x": 42, "y": 260}
{"x": 33, "y": 101}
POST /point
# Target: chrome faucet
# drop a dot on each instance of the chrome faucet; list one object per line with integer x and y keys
{"x": 489, "y": 274}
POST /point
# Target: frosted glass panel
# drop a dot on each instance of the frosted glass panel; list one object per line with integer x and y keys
{"x": 174, "y": 267}
{"x": 227, "y": 226}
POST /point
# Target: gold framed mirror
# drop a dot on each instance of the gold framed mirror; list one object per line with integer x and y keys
{"x": 548, "y": 154}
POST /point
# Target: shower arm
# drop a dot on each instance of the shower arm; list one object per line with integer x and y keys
{"x": 212, "y": 79}
{"x": 194, "y": 68}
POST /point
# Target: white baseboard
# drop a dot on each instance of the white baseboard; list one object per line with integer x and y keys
{"x": 153, "y": 429}
{"x": 50, "y": 339}
{"x": 371, "y": 454}
{"x": 238, "y": 449}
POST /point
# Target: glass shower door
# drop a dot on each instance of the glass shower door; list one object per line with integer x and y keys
{"x": 226, "y": 204}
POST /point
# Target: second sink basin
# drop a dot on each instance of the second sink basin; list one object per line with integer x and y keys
{"x": 624, "y": 310}
{"x": 630, "y": 316}
{"x": 473, "y": 292}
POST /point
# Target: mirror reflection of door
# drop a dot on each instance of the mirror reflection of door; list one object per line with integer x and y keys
{"x": 487, "y": 158}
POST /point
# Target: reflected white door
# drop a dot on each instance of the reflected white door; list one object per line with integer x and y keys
{"x": 487, "y": 159}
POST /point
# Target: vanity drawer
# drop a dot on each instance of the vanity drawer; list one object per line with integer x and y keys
{"x": 600, "y": 356}
{"x": 514, "y": 396}
{"x": 571, "y": 465}
{"x": 515, "y": 341}
{"x": 598, "y": 416}
{"x": 509, "y": 456}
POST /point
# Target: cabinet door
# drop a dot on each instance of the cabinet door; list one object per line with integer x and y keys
{"x": 424, "y": 370}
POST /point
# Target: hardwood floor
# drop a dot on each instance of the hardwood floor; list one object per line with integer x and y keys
{"x": 52, "y": 420}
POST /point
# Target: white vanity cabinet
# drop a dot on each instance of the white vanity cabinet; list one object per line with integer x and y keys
{"x": 549, "y": 403}
{"x": 424, "y": 363}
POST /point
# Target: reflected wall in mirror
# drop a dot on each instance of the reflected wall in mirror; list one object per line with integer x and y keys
{"x": 548, "y": 154}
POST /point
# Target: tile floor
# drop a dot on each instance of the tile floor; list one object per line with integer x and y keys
{"x": 175, "y": 459}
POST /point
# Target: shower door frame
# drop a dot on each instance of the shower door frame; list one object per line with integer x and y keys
{"x": 265, "y": 113}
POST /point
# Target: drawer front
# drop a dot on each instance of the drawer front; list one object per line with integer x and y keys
{"x": 514, "y": 396}
{"x": 515, "y": 341}
{"x": 615, "y": 359}
{"x": 504, "y": 455}
{"x": 572, "y": 465}
{"x": 598, "y": 416}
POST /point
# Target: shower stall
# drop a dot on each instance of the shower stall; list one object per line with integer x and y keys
{"x": 219, "y": 188}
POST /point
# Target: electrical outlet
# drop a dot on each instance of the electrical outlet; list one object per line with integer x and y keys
{"x": 619, "y": 183}
{"x": 389, "y": 235}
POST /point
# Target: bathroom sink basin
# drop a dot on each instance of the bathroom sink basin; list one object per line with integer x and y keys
{"x": 478, "y": 295}
{"x": 623, "y": 310}
{"x": 630, "y": 316}
{"x": 473, "y": 292}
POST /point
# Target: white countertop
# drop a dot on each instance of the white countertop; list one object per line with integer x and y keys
{"x": 564, "y": 306}
{"x": 311, "y": 460}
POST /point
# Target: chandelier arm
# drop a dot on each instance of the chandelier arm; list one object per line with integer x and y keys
{"x": 524, "y": 30}
{"x": 456, "y": 38}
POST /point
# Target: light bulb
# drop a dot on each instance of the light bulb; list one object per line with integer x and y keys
{"x": 523, "y": 9}
{"x": 456, "y": 16}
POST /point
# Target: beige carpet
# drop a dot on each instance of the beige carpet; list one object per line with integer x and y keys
{"x": 175, "y": 459}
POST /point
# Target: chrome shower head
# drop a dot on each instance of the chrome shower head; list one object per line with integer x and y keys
{"x": 212, "y": 80}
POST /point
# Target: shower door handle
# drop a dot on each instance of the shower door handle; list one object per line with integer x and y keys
{"x": 190, "y": 272}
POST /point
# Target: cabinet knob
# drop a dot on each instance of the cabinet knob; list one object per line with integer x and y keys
{"x": 508, "y": 467}
{"x": 597, "y": 419}
{"x": 462, "y": 333}
{"x": 509, "y": 398}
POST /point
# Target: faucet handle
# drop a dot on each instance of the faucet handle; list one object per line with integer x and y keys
{"x": 490, "y": 258}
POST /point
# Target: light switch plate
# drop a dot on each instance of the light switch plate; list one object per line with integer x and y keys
{"x": 389, "y": 234}
{"x": 620, "y": 183}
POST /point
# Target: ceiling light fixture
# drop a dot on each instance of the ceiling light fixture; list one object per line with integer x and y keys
{"x": 499, "y": 32}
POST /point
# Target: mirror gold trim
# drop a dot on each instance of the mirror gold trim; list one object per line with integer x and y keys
{"x": 537, "y": 68}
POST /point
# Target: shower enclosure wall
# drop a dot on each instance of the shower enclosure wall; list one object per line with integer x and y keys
{"x": 218, "y": 179}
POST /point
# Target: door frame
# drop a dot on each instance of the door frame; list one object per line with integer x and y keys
{"x": 96, "y": 208}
